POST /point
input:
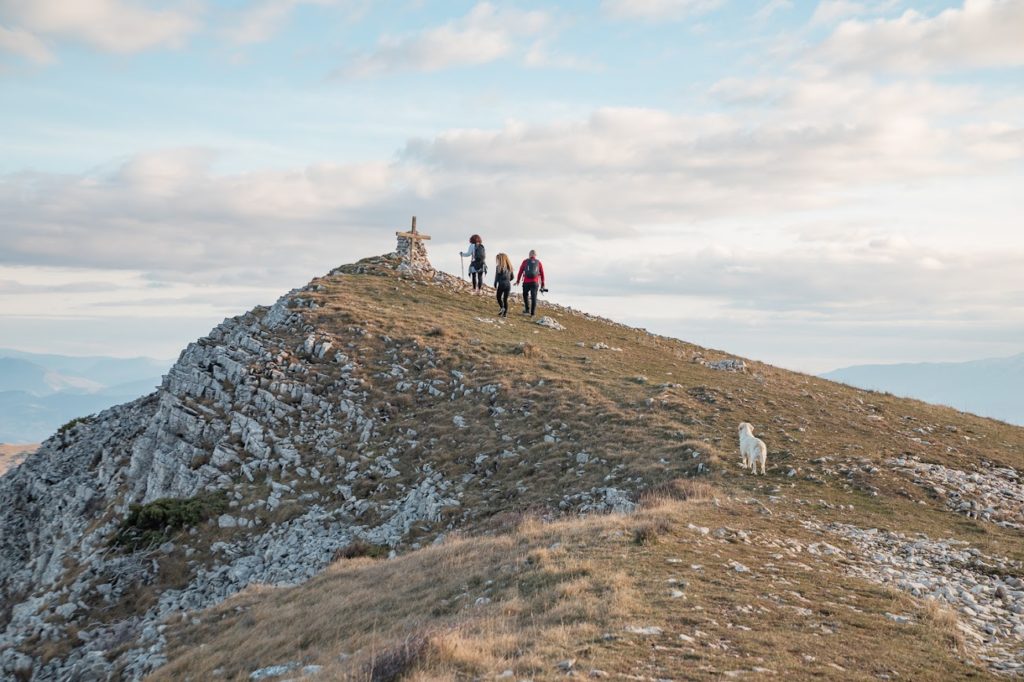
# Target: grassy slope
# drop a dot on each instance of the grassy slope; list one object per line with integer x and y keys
{"x": 568, "y": 589}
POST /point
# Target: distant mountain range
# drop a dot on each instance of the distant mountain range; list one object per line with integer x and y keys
{"x": 989, "y": 388}
{"x": 39, "y": 393}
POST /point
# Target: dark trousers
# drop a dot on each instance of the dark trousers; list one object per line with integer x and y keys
{"x": 530, "y": 297}
{"x": 503, "y": 292}
{"x": 478, "y": 279}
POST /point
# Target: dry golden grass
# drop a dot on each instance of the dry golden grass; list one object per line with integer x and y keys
{"x": 466, "y": 607}
{"x": 571, "y": 589}
{"x": 13, "y": 455}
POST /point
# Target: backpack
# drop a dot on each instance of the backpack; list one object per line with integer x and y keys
{"x": 532, "y": 267}
{"x": 479, "y": 255}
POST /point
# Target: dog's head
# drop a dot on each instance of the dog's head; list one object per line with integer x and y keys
{"x": 745, "y": 426}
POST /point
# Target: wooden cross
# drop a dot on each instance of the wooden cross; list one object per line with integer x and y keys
{"x": 413, "y": 236}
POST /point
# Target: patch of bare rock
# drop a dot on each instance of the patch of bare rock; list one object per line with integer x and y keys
{"x": 986, "y": 592}
{"x": 992, "y": 493}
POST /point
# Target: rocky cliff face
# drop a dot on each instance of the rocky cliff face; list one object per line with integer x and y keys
{"x": 280, "y": 428}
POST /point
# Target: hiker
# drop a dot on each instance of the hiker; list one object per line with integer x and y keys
{"x": 531, "y": 272}
{"x": 478, "y": 264}
{"x": 503, "y": 282}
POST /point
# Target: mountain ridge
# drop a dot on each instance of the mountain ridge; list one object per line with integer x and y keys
{"x": 382, "y": 409}
{"x": 40, "y": 392}
{"x": 988, "y": 387}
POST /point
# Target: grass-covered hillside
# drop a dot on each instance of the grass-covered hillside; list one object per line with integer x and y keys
{"x": 884, "y": 542}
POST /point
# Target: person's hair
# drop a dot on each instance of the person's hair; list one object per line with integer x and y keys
{"x": 503, "y": 262}
{"x": 533, "y": 254}
{"x": 475, "y": 239}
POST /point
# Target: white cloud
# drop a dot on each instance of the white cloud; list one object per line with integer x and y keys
{"x": 261, "y": 20}
{"x": 167, "y": 211}
{"x": 657, "y": 10}
{"x": 771, "y": 7}
{"x": 484, "y": 35}
{"x": 118, "y": 26}
{"x": 831, "y": 11}
{"x": 25, "y": 44}
{"x": 816, "y": 145}
{"x": 539, "y": 56}
{"x": 982, "y": 33}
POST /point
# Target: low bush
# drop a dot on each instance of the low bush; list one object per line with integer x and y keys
{"x": 150, "y": 524}
{"x": 71, "y": 424}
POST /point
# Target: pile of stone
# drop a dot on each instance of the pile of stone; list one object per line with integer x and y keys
{"x": 985, "y": 591}
{"x": 993, "y": 493}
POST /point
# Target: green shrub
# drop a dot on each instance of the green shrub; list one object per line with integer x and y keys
{"x": 71, "y": 424}
{"x": 150, "y": 524}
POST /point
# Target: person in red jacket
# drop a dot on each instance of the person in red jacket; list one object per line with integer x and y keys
{"x": 531, "y": 272}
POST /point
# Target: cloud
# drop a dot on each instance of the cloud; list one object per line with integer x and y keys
{"x": 261, "y": 20}
{"x": 539, "y": 56}
{"x": 25, "y": 44}
{"x": 879, "y": 277}
{"x": 117, "y": 26}
{"x": 815, "y": 145}
{"x": 484, "y": 35}
{"x": 167, "y": 212}
{"x": 771, "y": 7}
{"x": 831, "y": 11}
{"x": 657, "y": 10}
{"x": 980, "y": 34}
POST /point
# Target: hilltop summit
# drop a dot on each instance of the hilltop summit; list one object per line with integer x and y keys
{"x": 576, "y": 484}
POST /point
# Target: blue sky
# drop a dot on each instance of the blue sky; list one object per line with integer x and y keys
{"x": 813, "y": 184}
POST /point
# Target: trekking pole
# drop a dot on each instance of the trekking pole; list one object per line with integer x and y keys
{"x": 462, "y": 265}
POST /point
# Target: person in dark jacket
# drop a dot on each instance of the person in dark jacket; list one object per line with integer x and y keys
{"x": 503, "y": 282}
{"x": 531, "y": 272}
{"x": 477, "y": 264}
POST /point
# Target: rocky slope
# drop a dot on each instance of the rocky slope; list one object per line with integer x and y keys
{"x": 381, "y": 410}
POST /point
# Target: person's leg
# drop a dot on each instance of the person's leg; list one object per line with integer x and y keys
{"x": 526, "y": 298}
{"x": 531, "y": 291}
{"x": 505, "y": 291}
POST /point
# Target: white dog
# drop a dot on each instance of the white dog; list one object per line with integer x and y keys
{"x": 752, "y": 450}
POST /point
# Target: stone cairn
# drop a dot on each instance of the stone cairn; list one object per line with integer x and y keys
{"x": 411, "y": 249}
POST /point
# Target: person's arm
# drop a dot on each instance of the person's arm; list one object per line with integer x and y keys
{"x": 520, "y": 275}
{"x": 540, "y": 267}
{"x": 467, "y": 254}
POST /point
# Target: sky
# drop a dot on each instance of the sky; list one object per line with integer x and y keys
{"x": 814, "y": 184}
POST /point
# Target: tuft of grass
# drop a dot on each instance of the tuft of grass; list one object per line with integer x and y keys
{"x": 645, "y": 535}
{"x": 945, "y": 620}
{"x": 361, "y": 548}
{"x": 677, "y": 490}
{"x": 526, "y": 349}
{"x": 150, "y": 524}
{"x": 397, "y": 661}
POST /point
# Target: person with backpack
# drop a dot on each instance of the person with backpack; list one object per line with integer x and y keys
{"x": 531, "y": 272}
{"x": 503, "y": 282}
{"x": 477, "y": 263}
